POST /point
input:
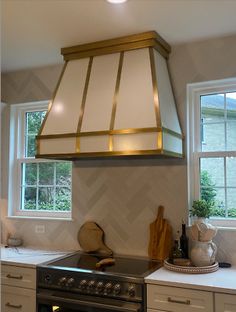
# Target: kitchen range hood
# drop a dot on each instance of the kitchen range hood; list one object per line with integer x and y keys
{"x": 113, "y": 98}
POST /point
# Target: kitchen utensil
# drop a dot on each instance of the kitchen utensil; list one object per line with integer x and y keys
{"x": 91, "y": 238}
{"x": 160, "y": 242}
{"x": 105, "y": 262}
{"x": 202, "y": 232}
{"x": 208, "y": 235}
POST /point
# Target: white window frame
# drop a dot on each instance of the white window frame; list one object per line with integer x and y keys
{"x": 194, "y": 91}
{"x": 16, "y": 159}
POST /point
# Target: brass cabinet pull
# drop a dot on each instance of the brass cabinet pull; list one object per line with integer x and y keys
{"x": 15, "y": 277}
{"x": 18, "y": 306}
{"x": 178, "y": 301}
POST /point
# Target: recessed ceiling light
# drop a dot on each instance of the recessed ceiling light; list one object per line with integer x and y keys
{"x": 116, "y": 1}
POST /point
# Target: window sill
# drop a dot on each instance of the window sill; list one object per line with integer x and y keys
{"x": 40, "y": 218}
{"x": 221, "y": 223}
{"x": 224, "y": 224}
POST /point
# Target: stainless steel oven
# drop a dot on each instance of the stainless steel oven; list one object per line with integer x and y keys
{"x": 57, "y": 301}
{"x": 74, "y": 284}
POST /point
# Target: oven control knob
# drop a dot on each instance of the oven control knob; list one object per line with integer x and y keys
{"x": 83, "y": 284}
{"x": 91, "y": 285}
{"x": 100, "y": 286}
{"x": 47, "y": 278}
{"x": 62, "y": 281}
{"x": 117, "y": 289}
{"x": 70, "y": 282}
{"x": 108, "y": 287}
{"x": 131, "y": 291}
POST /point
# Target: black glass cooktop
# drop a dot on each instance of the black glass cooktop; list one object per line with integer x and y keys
{"x": 128, "y": 266}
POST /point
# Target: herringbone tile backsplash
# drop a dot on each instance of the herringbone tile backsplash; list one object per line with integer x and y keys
{"x": 122, "y": 196}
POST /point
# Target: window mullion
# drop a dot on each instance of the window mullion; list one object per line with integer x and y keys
{"x": 226, "y": 195}
{"x": 54, "y": 188}
{"x": 225, "y": 122}
{"x": 37, "y": 187}
{"x": 22, "y": 186}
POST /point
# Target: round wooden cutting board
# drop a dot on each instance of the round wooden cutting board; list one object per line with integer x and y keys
{"x": 91, "y": 238}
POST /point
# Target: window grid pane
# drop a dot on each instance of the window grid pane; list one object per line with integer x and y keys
{"x": 48, "y": 197}
{"x": 218, "y": 184}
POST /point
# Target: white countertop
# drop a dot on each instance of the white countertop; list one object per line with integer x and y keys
{"x": 223, "y": 280}
{"x": 27, "y": 256}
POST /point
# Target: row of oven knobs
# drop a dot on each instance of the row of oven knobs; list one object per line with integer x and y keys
{"x": 99, "y": 286}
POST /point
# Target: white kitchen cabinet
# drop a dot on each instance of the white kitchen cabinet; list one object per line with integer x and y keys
{"x": 178, "y": 299}
{"x": 18, "y": 276}
{"x": 18, "y": 291}
{"x": 18, "y": 299}
{"x": 225, "y": 303}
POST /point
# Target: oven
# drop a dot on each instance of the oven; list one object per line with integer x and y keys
{"x": 59, "y": 301}
{"x": 74, "y": 284}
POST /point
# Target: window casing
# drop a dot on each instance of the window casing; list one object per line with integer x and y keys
{"x": 212, "y": 147}
{"x": 36, "y": 186}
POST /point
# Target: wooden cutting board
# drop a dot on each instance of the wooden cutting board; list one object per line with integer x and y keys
{"x": 91, "y": 239}
{"x": 161, "y": 240}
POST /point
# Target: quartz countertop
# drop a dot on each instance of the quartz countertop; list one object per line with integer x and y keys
{"x": 28, "y": 257}
{"x": 223, "y": 280}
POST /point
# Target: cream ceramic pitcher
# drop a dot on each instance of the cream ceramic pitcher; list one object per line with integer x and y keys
{"x": 203, "y": 253}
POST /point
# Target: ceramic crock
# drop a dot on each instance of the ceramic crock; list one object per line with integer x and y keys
{"x": 203, "y": 253}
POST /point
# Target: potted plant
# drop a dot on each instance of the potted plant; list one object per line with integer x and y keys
{"x": 201, "y": 209}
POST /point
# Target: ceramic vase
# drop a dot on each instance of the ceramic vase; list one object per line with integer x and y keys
{"x": 203, "y": 253}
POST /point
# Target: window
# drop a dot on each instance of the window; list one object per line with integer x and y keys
{"x": 212, "y": 147}
{"x": 37, "y": 188}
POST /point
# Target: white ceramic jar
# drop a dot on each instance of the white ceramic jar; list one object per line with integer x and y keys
{"x": 203, "y": 253}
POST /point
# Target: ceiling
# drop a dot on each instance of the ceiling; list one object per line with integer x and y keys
{"x": 33, "y": 31}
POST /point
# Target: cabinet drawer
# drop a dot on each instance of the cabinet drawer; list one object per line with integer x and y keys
{"x": 18, "y": 299}
{"x": 178, "y": 299}
{"x": 225, "y": 303}
{"x": 18, "y": 276}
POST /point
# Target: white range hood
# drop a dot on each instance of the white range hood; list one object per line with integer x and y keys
{"x": 113, "y": 98}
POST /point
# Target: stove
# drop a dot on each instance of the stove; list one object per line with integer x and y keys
{"x": 74, "y": 283}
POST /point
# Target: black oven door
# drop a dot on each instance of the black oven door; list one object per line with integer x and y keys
{"x": 48, "y": 301}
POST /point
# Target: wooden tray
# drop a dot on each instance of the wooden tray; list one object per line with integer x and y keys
{"x": 191, "y": 269}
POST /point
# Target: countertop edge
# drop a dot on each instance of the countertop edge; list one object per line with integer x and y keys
{"x": 221, "y": 281}
{"x": 18, "y": 264}
{"x": 191, "y": 286}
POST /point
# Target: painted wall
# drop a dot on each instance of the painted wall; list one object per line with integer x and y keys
{"x": 123, "y": 195}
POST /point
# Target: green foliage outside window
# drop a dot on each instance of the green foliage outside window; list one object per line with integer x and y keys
{"x": 209, "y": 193}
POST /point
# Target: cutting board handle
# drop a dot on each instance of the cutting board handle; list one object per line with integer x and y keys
{"x": 160, "y": 212}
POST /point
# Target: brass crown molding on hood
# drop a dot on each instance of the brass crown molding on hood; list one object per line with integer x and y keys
{"x": 113, "y": 98}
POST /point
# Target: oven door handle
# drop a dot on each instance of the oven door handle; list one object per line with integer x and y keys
{"x": 126, "y": 308}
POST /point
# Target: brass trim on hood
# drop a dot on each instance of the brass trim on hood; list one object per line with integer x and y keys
{"x": 53, "y": 97}
{"x": 113, "y": 114}
{"x": 83, "y": 102}
{"x": 126, "y": 43}
{"x": 71, "y": 156}
{"x": 155, "y": 89}
{"x": 110, "y": 132}
{"x": 50, "y": 106}
{"x": 118, "y": 48}
{"x": 114, "y": 105}
{"x": 85, "y": 94}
